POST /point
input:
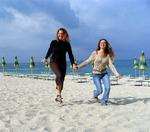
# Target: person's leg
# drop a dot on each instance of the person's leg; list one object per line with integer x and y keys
{"x": 62, "y": 68}
{"x": 59, "y": 83}
{"x": 106, "y": 82}
{"x": 97, "y": 82}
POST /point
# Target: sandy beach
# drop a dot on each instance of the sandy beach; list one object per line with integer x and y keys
{"x": 27, "y": 105}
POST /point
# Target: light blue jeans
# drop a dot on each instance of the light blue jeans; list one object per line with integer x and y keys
{"x": 98, "y": 78}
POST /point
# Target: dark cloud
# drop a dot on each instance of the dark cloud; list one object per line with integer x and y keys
{"x": 61, "y": 11}
{"x": 5, "y": 16}
{"x": 124, "y": 23}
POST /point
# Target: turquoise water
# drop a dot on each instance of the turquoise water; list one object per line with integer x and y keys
{"x": 124, "y": 67}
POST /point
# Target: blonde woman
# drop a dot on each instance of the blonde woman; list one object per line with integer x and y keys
{"x": 57, "y": 53}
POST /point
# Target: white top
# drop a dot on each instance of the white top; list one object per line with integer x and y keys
{"x": 100, "y": 64}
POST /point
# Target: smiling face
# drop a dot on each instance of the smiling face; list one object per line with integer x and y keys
{"x": 102, "y": 44}
{"x": 61, "y": 35}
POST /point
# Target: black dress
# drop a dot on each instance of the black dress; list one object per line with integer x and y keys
{"x": 57, "y": 53}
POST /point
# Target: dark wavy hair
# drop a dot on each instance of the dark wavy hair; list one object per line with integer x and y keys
{"x": 65, "y": 32}
{"x": 108, "y": 50}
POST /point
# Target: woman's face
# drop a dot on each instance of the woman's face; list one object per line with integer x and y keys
{"x": 102, "y": 44}
{"x": 61, "y": 35}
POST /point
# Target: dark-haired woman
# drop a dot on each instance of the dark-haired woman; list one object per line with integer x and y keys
{"x": 101, "y": 59}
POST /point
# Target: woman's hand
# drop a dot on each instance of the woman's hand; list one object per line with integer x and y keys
{"x": 75, "y": 67}
{"x": 43, "y": 60}
{"x": 118, "y": 77}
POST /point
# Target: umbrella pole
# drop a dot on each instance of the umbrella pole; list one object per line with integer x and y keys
{"x": 136, "y": 73}
{"x": 17, "y": 72}
{"x": 143, "y": 73}
{"x": 31, "y": 71}
{"x": 73, "y": 74}
{"x": 49, "y": 71}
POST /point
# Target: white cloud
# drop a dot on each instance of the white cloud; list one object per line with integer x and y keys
{"x": 23, "y": 31}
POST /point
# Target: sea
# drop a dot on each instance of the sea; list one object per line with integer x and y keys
{"x": 124, "y": 67}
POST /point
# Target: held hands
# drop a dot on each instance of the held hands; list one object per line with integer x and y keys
{"x": 75, "y": 67}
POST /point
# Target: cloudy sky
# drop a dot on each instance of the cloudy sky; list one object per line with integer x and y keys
{"x": 28, "y": 26}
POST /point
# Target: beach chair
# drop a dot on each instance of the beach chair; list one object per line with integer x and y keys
{"x": 138, "y": 82}
{"x": 81, "y": 80}
{"x": 131, "y": 78}
{"x": 146, "y": 81}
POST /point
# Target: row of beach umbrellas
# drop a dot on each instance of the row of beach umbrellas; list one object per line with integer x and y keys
{"x": 16, "y": 63}
{"x": 140, "y": 65}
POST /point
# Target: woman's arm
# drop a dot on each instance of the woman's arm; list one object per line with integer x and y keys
{"x": 49, "y": 50}
{"x": 113, "y": 69}
{"x": 71, "y": 57}
{"x": 88, "y": 61}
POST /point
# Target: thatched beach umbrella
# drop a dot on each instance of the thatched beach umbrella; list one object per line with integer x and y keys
{"x": 32, "y": 64}
{"x": 143, "y": 65}
{"x": 16, "y": 63}
{"x": 47, "y": 64}
{"x": 3, "y": 63}
{"x": 135, "y": 66}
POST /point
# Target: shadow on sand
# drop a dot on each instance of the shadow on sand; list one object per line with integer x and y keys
{"x": 112, "y": 101}
{"x": 128, "y": 100}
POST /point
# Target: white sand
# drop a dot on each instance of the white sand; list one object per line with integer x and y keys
{"x": 27, "y": 105}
